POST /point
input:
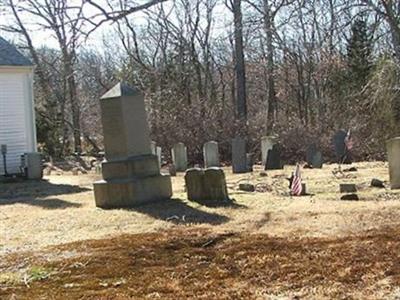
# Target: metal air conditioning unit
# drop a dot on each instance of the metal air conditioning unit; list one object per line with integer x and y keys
{"x": 31, "y": 165}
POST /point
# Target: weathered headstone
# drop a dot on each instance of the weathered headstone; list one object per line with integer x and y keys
{"x": 266, "y": 144}
{"x": 131, "y": 174}
{"x": 274, "y": 158}
{"x": 249, "y": 162}
{"x": 342, "y": 155}
{"x": 314, "y": 156}
{"x": 210, "y": 154}
{"x": 208, "y": 184}
{"x": 239, "y": 161}
{"x": 393, "y": 150}
{"x": 215, "y": 184}
{"x": 153, "y": 146}
{"x": 179, "y": 157}
{"x": 159, "y": 155}
{"x": 194, "y": 182}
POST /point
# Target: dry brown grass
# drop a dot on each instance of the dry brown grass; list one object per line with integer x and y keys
{"x": 182, "y": 264}
{"x": 35, "y": 216}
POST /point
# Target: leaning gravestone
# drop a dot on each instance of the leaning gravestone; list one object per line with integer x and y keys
{"x": 314, "y": 156}
{"x": 274, "y": 158}
{"x": 393, "y": 150}
{"x": 131, "y": 173}
{"x": 179, "y": 157}
{"x": 267, "y": 142}
{"x": 239, "y": 159}
{"x": 342, "y": 155}
{"x": 210, "y": 154}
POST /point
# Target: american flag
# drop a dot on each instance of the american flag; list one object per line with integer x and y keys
{"x": 348, "y": 141}
{"x": 296, "y": 188}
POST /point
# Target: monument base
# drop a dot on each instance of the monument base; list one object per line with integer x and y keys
{"x": 130, "y": 192}
{"x": 393, "y": 150}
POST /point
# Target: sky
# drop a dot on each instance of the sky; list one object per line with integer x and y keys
{"x": 42, "y": 37}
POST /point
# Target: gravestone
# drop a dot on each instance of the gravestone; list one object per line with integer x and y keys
{"x": 194, "y": 182}
{"x": 266, "y": 144}
{"x": 393, "y": 150}
{"x": 210, "y": 154}
{"x": 274, "y": 158}
{"x": 340, "y": 147}
{"x": 208, "y": 184}
{"x": 249, "y": 162}
{"x": 131, "y": 174}
{"x": 314, "y": 156}
{"x": 159, "y": 155}
{"x": 179, "y": 157}
{"x": 239, "y": 160}
{"x": 215, "y": 184}
{"x": 153, "y": 146}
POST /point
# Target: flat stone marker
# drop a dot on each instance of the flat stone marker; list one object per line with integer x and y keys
{"x": 267, "y": 142}
{"x": 239, "y": 160}
{"x": 348, "y": 188}
{"x": 274, "y": 158}
{"x": 393, "y": 150}
{"x": 208, "y": 184}
{"x": 131, "y": 174}
{"x": 340, "y": 147}
{"x": 314, "y": 156}
{"x": 179, "y": 157}
{"x": 247, "y": 187}
{"x": 211, "y": 154}
{"x": 377, "y": 183}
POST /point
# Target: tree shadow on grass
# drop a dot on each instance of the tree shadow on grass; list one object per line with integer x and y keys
{"x": 177, "y": 211}
{"x": 52, "y": 203}
{"x": 36, "y": 189}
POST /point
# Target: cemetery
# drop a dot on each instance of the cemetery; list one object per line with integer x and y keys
{"x": 238, "y": 223}
{"x": 199, "y": 149}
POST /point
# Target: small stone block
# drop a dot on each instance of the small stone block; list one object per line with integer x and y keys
{"x": 350, "y": 197}
{"x": 247, "y": 187}
{"x": 377, "y": 183}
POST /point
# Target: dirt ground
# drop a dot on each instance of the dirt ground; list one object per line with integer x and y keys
{"x": 55, "y": 244}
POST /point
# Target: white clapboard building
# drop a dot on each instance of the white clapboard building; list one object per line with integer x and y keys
{"x": 17, "y": 119}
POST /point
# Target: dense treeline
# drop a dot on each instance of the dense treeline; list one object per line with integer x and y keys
{"x": 213, "y": 69}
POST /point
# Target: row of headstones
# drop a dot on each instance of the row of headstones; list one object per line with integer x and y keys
{"x": 241, "y": 160}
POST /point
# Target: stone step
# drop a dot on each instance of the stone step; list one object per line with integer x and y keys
{"x": 130, "y": 192}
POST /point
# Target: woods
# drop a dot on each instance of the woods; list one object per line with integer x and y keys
{"x": 211, "y": 69}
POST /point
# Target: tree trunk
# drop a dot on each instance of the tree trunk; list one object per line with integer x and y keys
{"x": 241, "y": 103}
{"x": 272, "y": 103}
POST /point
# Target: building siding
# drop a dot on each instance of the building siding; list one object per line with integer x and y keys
{"x": 15, "y": 129}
